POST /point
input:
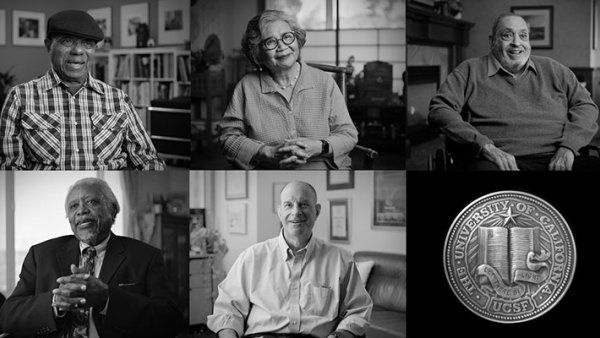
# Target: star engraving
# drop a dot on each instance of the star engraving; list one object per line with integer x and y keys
{"x": 508, "y": 217}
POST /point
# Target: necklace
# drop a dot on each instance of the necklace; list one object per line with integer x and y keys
{"x": 293, "y": 80}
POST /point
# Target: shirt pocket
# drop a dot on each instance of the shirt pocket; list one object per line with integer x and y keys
{"x": 41, "y": 135}
{"x": 320, "y": 301}
{"x": 109, "y": 132}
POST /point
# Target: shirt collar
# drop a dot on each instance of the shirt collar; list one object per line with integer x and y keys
{"x": 305, "y": 80}
{"x": 100, "y": 248}
{"x": 52, "y": 80}
{"x": 494, "y": 66}
{"x": 286, "y": 251}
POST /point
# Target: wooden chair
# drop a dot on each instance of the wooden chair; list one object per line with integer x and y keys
{"x": 368, "y": 155}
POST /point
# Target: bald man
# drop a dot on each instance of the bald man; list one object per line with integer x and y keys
{"x": 293, "y": 285}
{"x": 510, "y": 110}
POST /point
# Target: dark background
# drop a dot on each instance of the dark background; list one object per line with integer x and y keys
{"x": 434, "y": 199}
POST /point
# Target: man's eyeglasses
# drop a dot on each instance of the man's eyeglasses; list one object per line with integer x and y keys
{"x": 509, "y": 36}
{"x": 271, "y": 43}
{"x": 70, "y": 42}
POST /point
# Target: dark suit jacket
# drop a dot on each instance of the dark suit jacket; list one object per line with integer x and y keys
{"x": 139, "y": 303}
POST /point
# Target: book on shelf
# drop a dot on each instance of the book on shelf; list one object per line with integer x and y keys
{"x": 123, "y": 66}
{"x": 162, "y": 90}
{"x": 158, "y": 64}
{"x": 183, "y": 68}
{"x": 142, "y": 66}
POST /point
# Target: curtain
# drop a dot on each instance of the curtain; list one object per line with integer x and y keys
{"x": 138, "y": 217}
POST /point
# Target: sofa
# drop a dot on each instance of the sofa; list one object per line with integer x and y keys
{"x": 386, "y": 284}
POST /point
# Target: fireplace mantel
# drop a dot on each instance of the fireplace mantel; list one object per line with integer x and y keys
{"x": 424, "y": 27}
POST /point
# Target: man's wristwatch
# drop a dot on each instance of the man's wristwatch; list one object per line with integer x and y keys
{"x": 324, "y": 147}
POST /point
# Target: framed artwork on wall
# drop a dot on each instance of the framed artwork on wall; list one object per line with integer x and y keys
{"x": 236, "y": 184}
{"x": 29, "y": 28}
{"x": 389, "y": 199}
{"x": 339, "y": 221}
{"x": 236, "y": 218}
{"x": 540, "y": 20}
{"x": 2, "y": 27}
{"x": 173, "y": 21}
{"x": 131, "y": 16}
{"x": 103, "y": 17}
{"x": 340, "y": 179}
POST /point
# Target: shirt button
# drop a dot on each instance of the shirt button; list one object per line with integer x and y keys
{"x": 76, "y": 150}
{"x": 75, "y": 122}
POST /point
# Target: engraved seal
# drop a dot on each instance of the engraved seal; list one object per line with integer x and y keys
{"x": 509, "y": 256}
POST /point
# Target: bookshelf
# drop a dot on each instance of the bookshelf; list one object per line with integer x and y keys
{"x": 146, "y": 74}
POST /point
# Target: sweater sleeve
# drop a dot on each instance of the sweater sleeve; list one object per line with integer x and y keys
{"x": 581, "y": 123}
{"x": 445, "y": 111}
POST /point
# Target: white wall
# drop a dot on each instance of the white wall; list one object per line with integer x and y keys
{"x": 263, "y": 223}
{"x": 235, "y": 242}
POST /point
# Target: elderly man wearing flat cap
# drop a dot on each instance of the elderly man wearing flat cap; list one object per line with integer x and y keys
{"x": 68, "y": 120}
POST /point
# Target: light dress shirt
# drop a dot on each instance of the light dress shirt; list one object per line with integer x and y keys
{"x": 45, "y": 127}
{"x": 315, "y": 291}
{"x": 100, "y": 253}
{"x": 258, "y": 114}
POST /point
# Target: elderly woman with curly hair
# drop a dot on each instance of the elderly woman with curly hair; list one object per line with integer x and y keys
{"x": 285, "y": 114}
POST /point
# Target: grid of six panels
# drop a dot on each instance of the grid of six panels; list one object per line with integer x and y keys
{"x": 233, "y": 206}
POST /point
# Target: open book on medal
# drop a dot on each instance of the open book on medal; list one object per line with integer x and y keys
{"x": 506, "y": 249}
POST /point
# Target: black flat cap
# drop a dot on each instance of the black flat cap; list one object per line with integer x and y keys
{"x": 75, "y": 23}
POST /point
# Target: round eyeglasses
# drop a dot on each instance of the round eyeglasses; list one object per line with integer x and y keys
{"x": 272, "y": 43}
{"x": 70, "y": 42}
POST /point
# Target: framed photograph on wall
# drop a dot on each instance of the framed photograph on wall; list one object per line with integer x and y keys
{"x": 236, "y": 184}
{"x": 340, "y": 179}
{"x": 131, "y": 16}
{"x": 2, "y": 27}
{"x": 540, "y": 20}
{"x": 277, "y": 187}
{"x": 173, "y": 21}
{"x": 29, "y": 28}
{"x": 103, "y": 17}
{"x": 389, "y": 199}
{"x": 236, "y": 218}
{"x": 339, "y": 221}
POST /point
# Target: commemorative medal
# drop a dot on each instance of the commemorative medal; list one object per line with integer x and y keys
{"x": 509, "y": 256}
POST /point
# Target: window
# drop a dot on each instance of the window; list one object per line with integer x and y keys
{"x": 372, "y": 30}
{"x": 321, "y": 14}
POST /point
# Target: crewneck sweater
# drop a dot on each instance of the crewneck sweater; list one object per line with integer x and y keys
{"x": 536, "y": 112}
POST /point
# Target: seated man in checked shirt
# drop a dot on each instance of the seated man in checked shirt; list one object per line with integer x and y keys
{"x": 66, "y": 119}
{"x": 293, "y": 285}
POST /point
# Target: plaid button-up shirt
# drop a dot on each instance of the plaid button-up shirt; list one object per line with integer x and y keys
{"x": 258, "y": 114}
{"x": 44, "y": 127}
